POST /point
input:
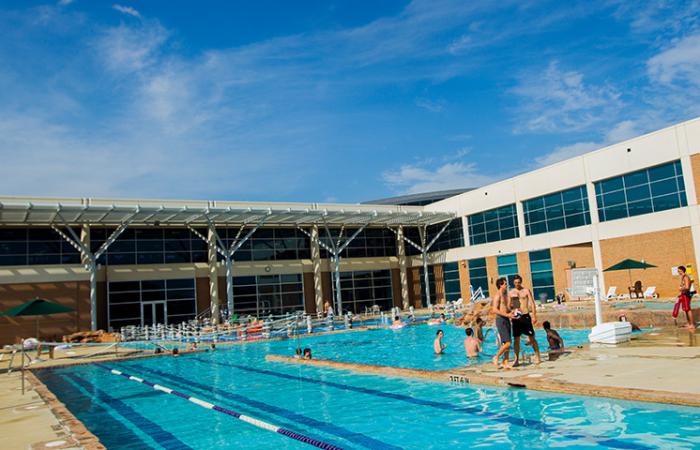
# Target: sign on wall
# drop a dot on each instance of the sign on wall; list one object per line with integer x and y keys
{"x": 582, "y": 282}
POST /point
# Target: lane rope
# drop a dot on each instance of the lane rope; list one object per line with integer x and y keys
{"x": 242, "y": 417}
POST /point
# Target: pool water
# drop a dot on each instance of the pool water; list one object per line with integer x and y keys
{"x": 345, "y": 409}
{"x": 412, "y": 346}
{"x": 663, "y": 306}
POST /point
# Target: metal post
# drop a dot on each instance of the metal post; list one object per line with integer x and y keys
{"x": 92, "y": 268}
{"x": 229, "y": 285}
{"x": 598, "y": 307}
{"x": 426, "y": 278}
{"x": 338, "y": 297}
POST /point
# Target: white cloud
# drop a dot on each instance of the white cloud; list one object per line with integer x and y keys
{"x": 127, "y": 49}
{"x": 461, "y": 43}
{"x": 622, "y": 131}
{"x": 65, "y": 2}
{"x": 680, "y": 62}
{"x": 128, "y": 10}
{"x": 431, "y": 105}
{"x": 416, "y": 178}
{"x": 559, "y": 100}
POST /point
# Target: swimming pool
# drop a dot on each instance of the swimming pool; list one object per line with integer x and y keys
{"x": 412, "y": 346}
{"x": 662, "y": 306}
{"x": 344, "y": 409}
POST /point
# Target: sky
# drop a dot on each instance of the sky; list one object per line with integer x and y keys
{"x": 327, "y": 101}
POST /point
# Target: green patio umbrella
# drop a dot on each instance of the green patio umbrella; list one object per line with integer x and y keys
{"x": 36, "y": 307}
{"x": 628, "y": 265}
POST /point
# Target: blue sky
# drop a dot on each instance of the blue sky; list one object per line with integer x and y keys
{"x": 327, "y": 100}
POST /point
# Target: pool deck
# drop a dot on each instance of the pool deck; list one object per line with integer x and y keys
{"x": 655, "y": 367}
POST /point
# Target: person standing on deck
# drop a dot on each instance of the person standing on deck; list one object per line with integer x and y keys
{"x": 685, "y": 296}
{"x": 523, "y": 305}
{"x": 501, "y": 309}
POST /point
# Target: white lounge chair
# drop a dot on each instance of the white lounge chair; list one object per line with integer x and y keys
{"x": 650, "y": 292}
{"x": 612, "y": 293}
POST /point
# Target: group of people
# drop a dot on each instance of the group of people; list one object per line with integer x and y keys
{"x": 305, "y": 354}
{"x": 516, "y": 315}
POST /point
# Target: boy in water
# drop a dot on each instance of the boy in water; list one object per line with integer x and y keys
{"x": 438, "y": 346}
{"x": 479, "y": 330}
{"x": 555, "y": 341}
{"x": 472, "y": 345}
{"x": 501, "y": 309}
{"x": 523, "y": 305}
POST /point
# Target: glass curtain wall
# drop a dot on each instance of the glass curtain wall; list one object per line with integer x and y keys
{"x": 493, "y": 225}
{"x": 557, "y": 211}
{"x": 361, "y": 290}
{"x": 453, "y": 290}
{"x": 134, "y": 302}
{"x": 642, "y": 192}
{"x": 478, "y": 277}
{"x": 33, "y": 246}
{"x": 507, "y": 267}
{"x": 262, "y": 295}
{"x": 542, "y": 277}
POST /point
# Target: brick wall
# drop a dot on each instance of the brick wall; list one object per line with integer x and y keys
{"x": 464, "y": 280}
{"x": 74, "y": 294}
{"x": 663, "y": 249}
{"x": 581, "y": 254}
{"x": 439, "y": 280}
{"x": 492, "y": 272}
{"x": 524, "y": 268}
{"x": 309, "y": 293}
{"x": 396, "y": 287}
{"x": 695, "y": 164}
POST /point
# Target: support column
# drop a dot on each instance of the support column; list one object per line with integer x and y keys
{"x": 229, "y": 286}
{"x": 316, "y": 265}
{"x": 597, "y": 253}
{"x": 403, "y": 276}
{"x": 338, "y": 296}
{"x": 91, "y": 266}
{"x": 213, "y": 277}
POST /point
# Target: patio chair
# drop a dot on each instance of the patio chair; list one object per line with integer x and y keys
{"x": 636, "y": 289}
{"x": 650, "y": 292}
{"x": 612, "y": 293}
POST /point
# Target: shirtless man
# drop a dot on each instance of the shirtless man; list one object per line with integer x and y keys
{"x": 525, "y": 316}
{"x": 472, "y": 345}
{"x": 685, "y": 296}
{"x": 438, "y": 346}
{"x": 479, "y": 330}
{"x": 500, "y": 308}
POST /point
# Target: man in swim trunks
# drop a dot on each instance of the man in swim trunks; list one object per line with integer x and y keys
{"x": 438, "y": 346}
{"x": 685, "y": 296}
{"x": 501, "y": 309}
{"x": 523, "y": 305}
{"x": 471, "y": 344}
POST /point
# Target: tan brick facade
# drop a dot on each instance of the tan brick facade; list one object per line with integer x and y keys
{"x": 463, "y": 266}
{"x": 524, "y": 268}
{"x": 581, "y": 255}
{"x": 439, "y": 274}
{"x": 695, "y": 164}
{"x": 74, "y": 294}
{"x": 492, "y": 272}
{"x": 663, "y": 249}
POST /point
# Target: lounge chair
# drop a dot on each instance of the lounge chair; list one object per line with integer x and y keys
{"x": 651, "y": 292}
{"x": 612, "y": 293}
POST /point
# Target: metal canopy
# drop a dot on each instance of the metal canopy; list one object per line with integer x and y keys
{"x": 89, "y": 212}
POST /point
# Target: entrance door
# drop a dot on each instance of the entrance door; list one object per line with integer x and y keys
{"x": 153, "y": 313}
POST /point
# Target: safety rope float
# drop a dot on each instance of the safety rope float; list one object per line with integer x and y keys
{"x": 242, "y": 417}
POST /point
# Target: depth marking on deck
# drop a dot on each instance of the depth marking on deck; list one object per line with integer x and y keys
{"x": 242, "y": 417}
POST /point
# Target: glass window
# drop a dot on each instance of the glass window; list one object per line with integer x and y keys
{"x": 478, "y": 277}
{"x": 499, "y": 224}
{"x": 557, "y": 211}
{"x": 361, "y": 290}
{"x": 452, "y": 285}
{"x": 542, "y": 277}
{"x": 644, "y": 191}
{"x": 371, "y": 242}
{"x": 263, "y": 295}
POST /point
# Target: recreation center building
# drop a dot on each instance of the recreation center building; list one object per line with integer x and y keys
{"x": 120, "y": 262}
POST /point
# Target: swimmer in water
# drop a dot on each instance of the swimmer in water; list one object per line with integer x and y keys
{"x": 471, "y": 344}
{"x": 438, "y": 346}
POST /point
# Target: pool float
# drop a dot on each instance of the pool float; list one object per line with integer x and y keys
{"x": 397, "y": 326}
{"x": 435, "y": 322}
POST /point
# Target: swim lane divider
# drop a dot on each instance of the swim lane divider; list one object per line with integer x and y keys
{"x": 242, "y": 417}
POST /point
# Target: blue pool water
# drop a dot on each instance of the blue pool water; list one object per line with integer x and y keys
{"x": 345, "y": 409}
{"x": 648, "y": 305}
{"x": 412, "y": 346}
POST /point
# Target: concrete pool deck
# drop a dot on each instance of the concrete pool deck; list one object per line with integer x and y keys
{"x": 656, "y": 367}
